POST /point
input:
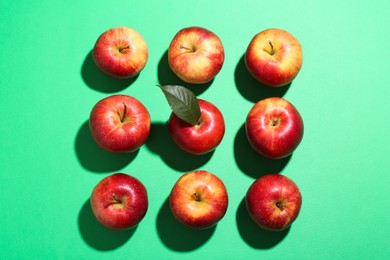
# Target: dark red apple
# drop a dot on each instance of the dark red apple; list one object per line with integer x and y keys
{"x": 274, "y": 127}
{"x": 273, "y": 202}
{"x": 119, "y": 201}
{"x": 199, "y": 199}
{"x": 119, "y": 123}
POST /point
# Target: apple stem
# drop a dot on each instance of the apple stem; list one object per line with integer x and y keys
{"x": 124, "y": 113}
{"x": 272, "y": 48}
{"x": 196, "y": 196}
{"x": 188, "y": 49}
{"x": 123, "y": 49}
{"x": 116, "y": 198}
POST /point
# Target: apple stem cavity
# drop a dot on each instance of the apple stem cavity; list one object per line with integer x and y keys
{"x": 193, "y": 49}
{"x": 124, "y": 49}
{"x": 281, "y": 205}
{"x": 196, "y": 196}
{"x": 275, "y": 121}
{"x": 124, "y": 113}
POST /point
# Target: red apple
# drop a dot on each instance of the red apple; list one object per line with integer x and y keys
{"x": 196, "y": 55}
{"x": 119, "y": 123}
{"x": 202, "y": 137}
{"x": 273, "y": 202}
{"x": 274, "y": 57}
{"x": 119, "y": 201}
{"x": 274, "y": 127}
{"x": 120, "y": 52}
{"x": 198, "y": 199}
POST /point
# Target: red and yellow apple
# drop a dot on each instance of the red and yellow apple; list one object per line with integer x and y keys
{"x": 199, "y": 199}
{"x": 120, "y": 52}
{"x": 274, "y": 127}
{"x": 119, "y": 123}
{"x": 196, "y": 55}
{"x": 274, "y": 57}
{"x": 119, "y": 201}
{"x": 273, "y": 201}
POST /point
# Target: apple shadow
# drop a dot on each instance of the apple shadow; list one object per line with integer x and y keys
{"x": 252, "y": 163}
{"x": 98, "y": 80}
{"x": 254, "y": 235}
{"x": 98, "y": 236}
{"x": 160, "y": 142}
{"x": 96, "y": 159}
{"x": 178, "y": 237}
{"x": 167, "y": 77}
{"x": 253, "y": 90}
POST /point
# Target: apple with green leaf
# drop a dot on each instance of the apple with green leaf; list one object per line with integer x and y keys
{"x": 119, "y": 201}
{"x": 199, "y": 199}
{"x": 274, "y": 57}
{"x": 196, "y": 125}
{"x": 196, "y": 55}
{"x": 120, "y": 52}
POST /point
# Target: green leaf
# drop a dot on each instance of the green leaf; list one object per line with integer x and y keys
{"x": 182, "y": 102}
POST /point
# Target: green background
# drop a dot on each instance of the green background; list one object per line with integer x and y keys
{"x": 49, "y": 163}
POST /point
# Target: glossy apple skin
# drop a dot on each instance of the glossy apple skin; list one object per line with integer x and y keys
{"x": 119, "y": 123}
{"x": 273, "y": 201}
{"x": 196, "y": 55}
{"x": 203, "y": 137}
{"x": 119, "y": 201}
{"x": 199, "y": 199}
{"x": 120, "y": 52}
{"x": 274, "y": 127}
{"x": 275, "y": 65}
